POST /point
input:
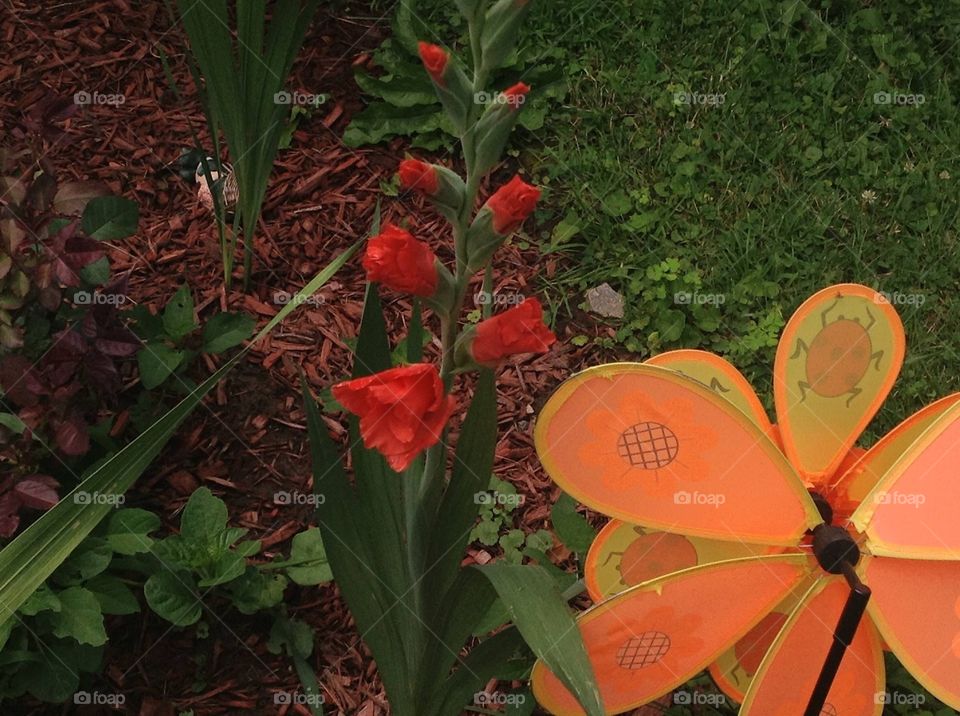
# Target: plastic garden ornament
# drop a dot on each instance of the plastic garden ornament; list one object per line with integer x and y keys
{"x": 745, "y": 547}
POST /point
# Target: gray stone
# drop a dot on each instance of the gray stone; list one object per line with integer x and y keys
{"x": 604, "y": 301}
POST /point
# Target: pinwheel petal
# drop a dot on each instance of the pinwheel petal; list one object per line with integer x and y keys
{"x": 838, "y": 357}
{"x": 648, "y": 640}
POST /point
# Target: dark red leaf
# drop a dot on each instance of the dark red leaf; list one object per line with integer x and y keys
{"x": 72, "y": 436}
{"x": 9, "y": 517}
{"x": 101, "y": 373}
{"x": 21, "y": 382}
{"x": 37, "y": 493}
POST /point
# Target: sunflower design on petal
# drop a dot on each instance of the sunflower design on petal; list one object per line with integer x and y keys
{"x": 682, "y": 447}
{"x": 647, "y": 444}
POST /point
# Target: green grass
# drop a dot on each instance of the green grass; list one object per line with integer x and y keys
{"x": 760, "y": 199}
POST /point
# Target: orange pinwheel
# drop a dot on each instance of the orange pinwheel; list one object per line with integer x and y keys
{"x": 710, "y": 562}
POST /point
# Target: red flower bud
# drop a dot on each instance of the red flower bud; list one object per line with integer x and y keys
{"x": 402, "y": 411}
{"x": 511, "y": 204}
{"x": 400, "y": 262}
{"x": 516, "y": 95}
{"x": 519, "y": 330}
{"x": 415, "y": 174}
{"x": 434, "y": 59}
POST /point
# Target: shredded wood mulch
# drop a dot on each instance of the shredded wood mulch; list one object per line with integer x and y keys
{"x": 248, "y": 441}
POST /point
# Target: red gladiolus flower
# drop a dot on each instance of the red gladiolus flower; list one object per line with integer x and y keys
{"x": 519, "y": 330}
{"x": 511, "y": 204}
{"x": 415, "y": 174}
{"x": 434, "y": 59}
{"x": 400, "y": 262}
{"x": 402, "y": 411}
{"x": 516, "y": 95}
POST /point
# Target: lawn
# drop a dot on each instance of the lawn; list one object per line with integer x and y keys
{"x": 751, "y": 154}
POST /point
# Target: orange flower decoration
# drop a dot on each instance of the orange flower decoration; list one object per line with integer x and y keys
{"x": 753, "y": 495}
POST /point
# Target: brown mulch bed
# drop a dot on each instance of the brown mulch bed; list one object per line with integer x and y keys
{"x": 248, "y": 440}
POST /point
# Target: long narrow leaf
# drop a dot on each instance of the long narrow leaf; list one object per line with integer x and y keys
{"x": 540, "y": 612}
{"x": 472, "y": 466}
{"x": 353, "y": 558}
{"x": 455, "y": 620}
{"x": 502, "y": 656}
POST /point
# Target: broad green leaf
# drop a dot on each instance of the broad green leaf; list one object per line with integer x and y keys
{"x": 110, "y": 217}
{"x": 148, "y": 326}
{"x": 308, "y": 548}
{"x": 382, "y": 121}
{"x": 248, "y": 548}
{"x": 293, "y": 635}
{"x": 96, "y": 272}
{"x": 54, "y": 678}
{"x": 296, "y": 637}
{"x": 41, "y": 600}
{"x": 87, "y": 561}
{"x": 520, "y": 703}
{"x": 572, "y": 529}
{"x": 12, "y": 423}
{"x": 540, "y": 612}
{"x": 226, "y": 330}
{"x": 487, "y": 532}
{"x": 128, "y": 531}
{"x": 157, "y": 361}
{"x": 255, "y": 591}
{"x": 173, "y": 596}
{"x": 178, "y": 318}
{"x": 27, "y": 561}
{"x": 204, "y": 518}
{"x": 399, "y": 90}
{"x": 80, "y": 617}
{"x": 223, "y": 569}
{"x": 113, "y": 595}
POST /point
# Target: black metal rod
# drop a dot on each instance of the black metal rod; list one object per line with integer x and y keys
{"x": 843, "y": 635}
